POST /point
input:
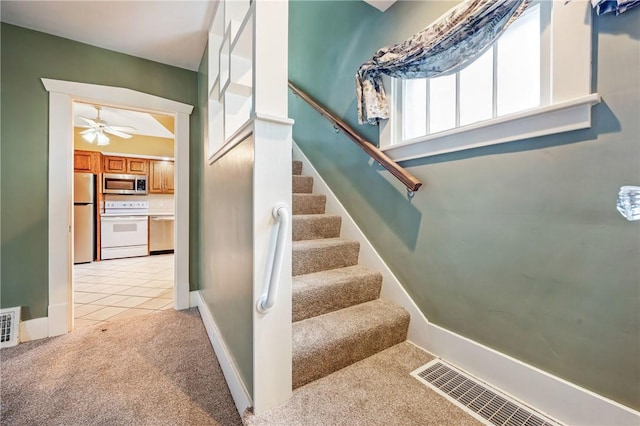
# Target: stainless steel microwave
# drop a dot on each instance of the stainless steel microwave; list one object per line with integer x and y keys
{"x": 124, "y": 184}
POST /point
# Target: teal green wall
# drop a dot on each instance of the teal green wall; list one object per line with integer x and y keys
{"x": 516, "y": 246}
{"x": 28, "y": 56}
{"x": 226, "y": 242}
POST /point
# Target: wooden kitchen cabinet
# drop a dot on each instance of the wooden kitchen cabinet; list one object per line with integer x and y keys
{"x": 125, "y": 165}
{"x": 86, "y": 161}
{"x": 137, "y": 166}
{"x": 161, "y": 177}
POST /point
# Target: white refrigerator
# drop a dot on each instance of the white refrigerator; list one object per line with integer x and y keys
{"x": 83, "y": 217}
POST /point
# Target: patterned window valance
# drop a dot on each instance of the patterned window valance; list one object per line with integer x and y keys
{"x": 444, "y": 47}
{"x": 613, "y": 6}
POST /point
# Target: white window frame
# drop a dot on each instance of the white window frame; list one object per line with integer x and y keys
{"x": 565, "y": 97}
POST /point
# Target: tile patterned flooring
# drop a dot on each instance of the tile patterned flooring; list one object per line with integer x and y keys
{"x": 121, "y": 288}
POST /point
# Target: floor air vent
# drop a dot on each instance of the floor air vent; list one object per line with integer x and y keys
{"x": 9, "y": 321}
{"x": 486, "y": 404}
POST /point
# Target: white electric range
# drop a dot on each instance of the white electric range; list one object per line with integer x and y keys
{"x": 124, "y": 229}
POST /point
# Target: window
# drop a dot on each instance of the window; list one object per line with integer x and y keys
{"x": 512, "y": 91}
{"x": 504, "y": 80}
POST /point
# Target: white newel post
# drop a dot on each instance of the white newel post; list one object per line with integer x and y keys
{"x": 247, "y": 95}
{"x": 272, "y": 342}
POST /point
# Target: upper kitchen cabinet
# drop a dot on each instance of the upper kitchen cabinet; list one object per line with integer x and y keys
{"x": 137, "y": 166}
{"x": 86, "y": 161}
{"x": 161, "y": 177}
{"x": 134, "y": 166}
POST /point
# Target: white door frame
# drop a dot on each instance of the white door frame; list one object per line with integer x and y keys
{"x": 62, "y": 94}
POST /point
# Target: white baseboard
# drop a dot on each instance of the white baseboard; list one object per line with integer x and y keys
{"x": 549, "y": 394}
{"x": 34, "y": 329}
{"x": 239, "y": 392}
{"x": 194, "y": 298}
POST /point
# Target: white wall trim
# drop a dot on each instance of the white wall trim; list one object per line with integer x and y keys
{"x": 59, "y": 319}
{"x": 274, "y": 119}
{"x": 391, "y": 288}
{"x": 549, "y": 394}
{"x": 239, "y": 392}
{"x": 62, "y": 94}
{"x": 555, "y": 397}
{"x": 181, "y": 206}
{"x": 34, "y": 329}
{"x": 119, "y": 96}
{"x": 551, "y": 119}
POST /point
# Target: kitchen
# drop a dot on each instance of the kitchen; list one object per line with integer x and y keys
{"x": 123, "y": 213}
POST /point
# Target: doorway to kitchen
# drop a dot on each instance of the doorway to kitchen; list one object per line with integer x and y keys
{"x": 121, "y": 288}
{"x": 123, "y": 164}
{"x": 62, "y": 94}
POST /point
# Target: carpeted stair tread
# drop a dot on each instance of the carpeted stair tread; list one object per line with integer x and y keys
{"x": 302, "y": 184}
{"x": 330, "y": 342}
{"x": 308, "y": 204}
{"x": 310, "y": 256}
{"x": 296, "y": 167}
{"x": 327, "y": 291}
{"x": 315, "y": 226}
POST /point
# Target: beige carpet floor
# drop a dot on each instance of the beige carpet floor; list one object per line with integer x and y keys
{"x": 375, "y": 391}
{"x": 157, "y": 369}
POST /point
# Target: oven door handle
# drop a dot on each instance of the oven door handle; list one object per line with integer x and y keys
{"x": 121, "y": 218}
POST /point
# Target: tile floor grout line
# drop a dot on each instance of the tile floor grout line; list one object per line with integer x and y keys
{"x": 108, "y": 281}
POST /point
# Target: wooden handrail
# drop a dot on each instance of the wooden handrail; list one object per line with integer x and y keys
{"x": 383, "y": 159}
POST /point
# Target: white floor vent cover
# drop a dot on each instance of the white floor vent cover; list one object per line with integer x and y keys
{"x": 9, "y": 321}
{"x": 486, "y": 404}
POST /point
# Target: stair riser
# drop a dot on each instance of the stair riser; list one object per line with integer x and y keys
{"x": 313, "y": 228}
{"x": 296, "y": 167}
{"x": 312, "y": 302}
{"x": 308, "y": 204}
{"x": 302, "y": 184}
{"x": 309, "y": 260}
{"x": 331, "y": 358}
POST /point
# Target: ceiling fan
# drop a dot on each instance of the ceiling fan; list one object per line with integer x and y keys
{"x": 98, "y": 127}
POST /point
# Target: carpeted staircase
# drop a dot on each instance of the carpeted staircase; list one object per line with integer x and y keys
{"x": 338, "y": 317}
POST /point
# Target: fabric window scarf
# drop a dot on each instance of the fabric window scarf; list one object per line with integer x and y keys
{"x": 444, "y": 47}
{"x": 611, "y": 6}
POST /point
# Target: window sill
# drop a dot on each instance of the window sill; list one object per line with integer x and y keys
{"x": 551, "y": 119}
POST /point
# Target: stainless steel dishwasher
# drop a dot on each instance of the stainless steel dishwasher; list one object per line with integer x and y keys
{"x": 161, "y": 234}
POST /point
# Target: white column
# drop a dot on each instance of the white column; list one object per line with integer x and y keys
{"x": 181, "y": 234}
{"x": 60, "y": 213}
{"x": 272, "y": 338}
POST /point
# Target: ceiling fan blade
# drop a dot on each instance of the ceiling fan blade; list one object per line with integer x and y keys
{"x": 128, "y": 129}
{"x": 89, "y": 121}
{"x": 89, "y": 130}
{"x": 109, "y": 129}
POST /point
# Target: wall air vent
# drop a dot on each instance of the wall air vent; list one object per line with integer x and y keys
{"x": 486, "y": 404}
{"x": 9, "y": 327}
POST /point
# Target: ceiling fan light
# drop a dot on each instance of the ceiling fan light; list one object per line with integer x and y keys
{"x": 103, "y": 139}
{"x": 89, "y": 137}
